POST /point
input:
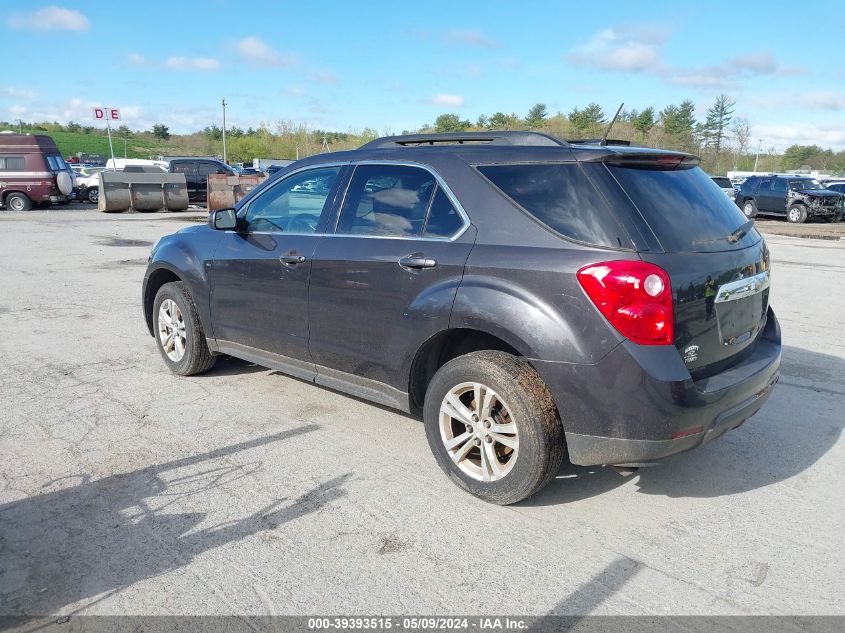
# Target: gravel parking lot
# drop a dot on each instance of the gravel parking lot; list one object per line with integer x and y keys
{"x": 126, "y": 490}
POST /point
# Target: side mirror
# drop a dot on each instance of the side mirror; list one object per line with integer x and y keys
{"x": 223, "y": 219}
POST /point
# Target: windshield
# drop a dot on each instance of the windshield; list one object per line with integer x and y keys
{"x": 724, "y": 183}
{"x": 805, "y": 184}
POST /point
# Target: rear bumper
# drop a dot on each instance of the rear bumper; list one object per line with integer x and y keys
{"x": 639, "y": 404}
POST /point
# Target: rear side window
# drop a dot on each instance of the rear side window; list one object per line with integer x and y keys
{"x": 684, "y": 208}
{"x": 182, "y": 168}
{"x": 722, "y": 182}
{"x": 387, "y": 200}
{"x": 561, "y": 197}
{"x": 12, "y": 163}
{"x": 206, "y": 169}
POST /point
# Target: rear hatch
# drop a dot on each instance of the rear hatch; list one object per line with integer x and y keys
{"x": 717, "y": 262}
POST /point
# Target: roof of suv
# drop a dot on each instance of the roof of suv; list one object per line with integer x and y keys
{"x": 496, "y": 146}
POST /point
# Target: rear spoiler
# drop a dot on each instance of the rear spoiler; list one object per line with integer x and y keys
{"x": 648, "y": 160}
{"x": 598, "y": 141}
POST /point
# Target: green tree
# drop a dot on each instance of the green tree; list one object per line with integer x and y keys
{"x": 161, "y": 131}
{"x": 213, "y": 132}
{"x": 499, "y": 121}
{"x": 482, "y": 121}
{"x": 714, "y": 128}
{"x": 536, "y": 115}
{"x": 73, "y": 126}
{"x": 450, "y": 123}
{"x": 587, "y": 121}
{"x": 123, "y": 131}
{"x": 643, "y": 121}
{"x": 678, "y": 119}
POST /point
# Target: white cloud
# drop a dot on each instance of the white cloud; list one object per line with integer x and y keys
{"x": 192, "y": 63}
{"x": 447, "y": 100}
{"x": 782, "y": 136}
{"x": 257, "y": 52}
{"x": 295, "y": 91}
{"x": 471, "y": 37}
{"x": 51, "y": 18}
{"x": 633, "y": 48}
{"x": 826, "y": 100}
{"x": 18, "y": 93}
{"x": 325, "y": 77}
{"x": 136, "y": 59}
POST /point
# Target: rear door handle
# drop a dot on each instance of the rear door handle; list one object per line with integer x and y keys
{"x": 292, "y": 258}
{"x": 417, "y": 260}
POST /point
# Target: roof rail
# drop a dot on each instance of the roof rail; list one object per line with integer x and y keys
{"x": 598, "y": 141}
{"x": 466, "y": 138}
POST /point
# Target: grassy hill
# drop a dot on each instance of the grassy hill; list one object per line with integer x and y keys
{"x": 96, "y": 142}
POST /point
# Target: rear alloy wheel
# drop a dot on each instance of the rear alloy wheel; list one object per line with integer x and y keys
{"x": 93, "y": 195}
{"x": 749, "y": 208}
{"x": 797, "y": 214}
{"x": 18, "y": 202}
{"x": 493, "y": 426}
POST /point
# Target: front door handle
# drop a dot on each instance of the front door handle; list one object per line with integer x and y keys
{"x": 292, "y": 258}
{"x": 417, "y": 260}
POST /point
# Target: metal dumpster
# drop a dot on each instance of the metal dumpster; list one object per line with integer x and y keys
{"x": 144, "y": 192}
{"x": 224, "y": 191}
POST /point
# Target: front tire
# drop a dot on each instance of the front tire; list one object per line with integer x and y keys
{"x": 797, "y": 214}
{"x": 93, "y": 195}
{"x": 493, "y": 426}
{"x": 178, "y": 332}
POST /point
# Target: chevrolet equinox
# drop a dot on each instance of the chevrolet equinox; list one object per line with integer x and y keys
{"x": 532, "y": 298}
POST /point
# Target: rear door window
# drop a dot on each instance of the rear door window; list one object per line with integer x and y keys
{"x": 387, "y": 200}
{"x": 561, "y": 197}
{"x": 206, "y": 169}
{"x": 684, "y": 208}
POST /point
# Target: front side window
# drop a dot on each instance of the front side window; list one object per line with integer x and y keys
{"x": 779, "y": 184}
{"x": 387, "y": 200}
{"x": 293, "y": 205}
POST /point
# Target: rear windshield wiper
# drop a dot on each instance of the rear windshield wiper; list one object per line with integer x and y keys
{"x": 741, "y": 232}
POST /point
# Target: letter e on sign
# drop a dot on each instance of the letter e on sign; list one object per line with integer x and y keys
{"x": 99, "y": 114}
{"x": 114, "y": 114}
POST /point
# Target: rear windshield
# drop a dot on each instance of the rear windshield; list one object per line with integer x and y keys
{"x": 722, "y": 182}
{"x": 684, "y": 207}
{"x": 562, "y": 198}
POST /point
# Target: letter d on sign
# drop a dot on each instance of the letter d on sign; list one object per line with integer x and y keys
{"x": 99, "y": 113}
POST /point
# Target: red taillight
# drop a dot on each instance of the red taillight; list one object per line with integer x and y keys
{"x": 634, "y": 296}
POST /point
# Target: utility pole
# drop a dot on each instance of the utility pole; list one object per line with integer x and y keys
{"x": 757, "y": 157}
{"x": 20, "y": 126}
{"x": 125, "y": 136}
{"x": 111, "y": 147}
{"x": 224, "y": 131}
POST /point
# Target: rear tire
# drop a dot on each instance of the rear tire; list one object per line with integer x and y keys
{"x": 179, "y": 335}
{"x": 517, "y": 426}
{"x": 749, "y": 208}
{"x": 18, "y": 202}
{"x": 93, "y": 195}
{"x": 797, "y": 214}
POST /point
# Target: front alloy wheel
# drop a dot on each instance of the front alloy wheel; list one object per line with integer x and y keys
{"x": 478, "y": 431}
{"x": 171, "y": 330}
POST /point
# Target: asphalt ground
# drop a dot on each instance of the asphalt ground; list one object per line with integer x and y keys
{"x": 127, "y": 490}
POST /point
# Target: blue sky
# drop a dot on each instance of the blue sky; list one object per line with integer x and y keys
{"x": 397, "y": 65}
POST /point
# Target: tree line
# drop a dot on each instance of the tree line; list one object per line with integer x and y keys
{"x": 723, "y": 141}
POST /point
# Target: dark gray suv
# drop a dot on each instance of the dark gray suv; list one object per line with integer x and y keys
{"x": 531, "y": 297}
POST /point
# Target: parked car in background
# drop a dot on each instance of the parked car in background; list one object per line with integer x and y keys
{"x": 196, "y": 171}
{"x": 32, "y": 172}
{"x": 797, "y": 198}
{"x": 530, "y": 297}
{"x": 88, "y": 184}
{"x": 724, "y": 183}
